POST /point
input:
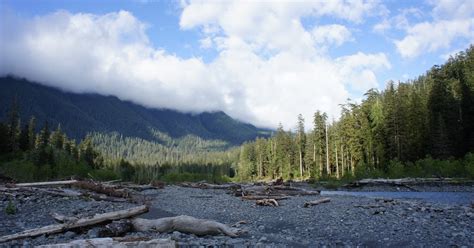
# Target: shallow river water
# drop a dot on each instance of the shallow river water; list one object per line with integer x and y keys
{"x": 437, "y": 197}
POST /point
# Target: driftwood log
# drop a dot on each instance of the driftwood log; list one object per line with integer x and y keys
{"x": 39, "y": 184}
{"x": 277, "y": 190}
{"x": 316, "y": 202}
{"x": 96, "y": 219}
{"x": 102, "y": 189}
{"x": 112, "y": 242}
{"x": 202, "y": 185}
{"x": 185, "y": 224}
{"x": 267, "y": 202}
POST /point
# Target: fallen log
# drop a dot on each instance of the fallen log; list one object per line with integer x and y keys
{"x": 316, "y": 202}
{"x": 267, "y": 202}
{"x": 102, "y": 189}
{"x": 274, "y": 190}
{"x": 96, "y": 219}
{"x": 53, "y": 183}
{"x": 185, "y": 224}
{"x": 208, "y": 185}
{"x": 113, "y": 242}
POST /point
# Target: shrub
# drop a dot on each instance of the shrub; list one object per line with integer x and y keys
{"x": 469, "y": 165}
{"x": 396, "y": 169}
{"x": 103, "y": 174}
{"x": 10, "y": 209}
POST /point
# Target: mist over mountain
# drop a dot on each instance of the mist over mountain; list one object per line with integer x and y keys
{"x": 80, "y": 114}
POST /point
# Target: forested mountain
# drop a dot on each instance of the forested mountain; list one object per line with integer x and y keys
{"x": 80, "y": 114}
{"x": 422, "y": 127}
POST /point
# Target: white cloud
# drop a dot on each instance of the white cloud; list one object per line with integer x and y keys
{"x": 268, "y": 69}
{"x": 452, "y": 9}
{"x": 206, "y": 42}
{"x": 430, "y": 37}
{"x": 382, "y": 26}
{"x": 358, "y": 69}
{"x": 452, "y": 20}
{"x": 333, "y": 34}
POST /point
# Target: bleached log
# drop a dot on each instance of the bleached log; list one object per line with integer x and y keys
{"x": 208, "y": 185}
{"x": 185, "y": 224}
{"x": 38, "y": 184}
{"x": 267, "y": 202}
{"x": 316, "y": 202}
{"x": 275, "y": 190}
{"x": 96, "y": 219}
{"x": 112, "y": 242}
{"x": 102, "y": 189}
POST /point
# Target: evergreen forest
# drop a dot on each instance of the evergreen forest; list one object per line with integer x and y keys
{"x": 418, "y": 128}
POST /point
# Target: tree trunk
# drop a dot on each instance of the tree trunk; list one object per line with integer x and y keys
{"x": 301, "y": 163}
{"x": 316, "y": 202}
{"x": 328, "y": 170}
{"x": 337, "y": 162}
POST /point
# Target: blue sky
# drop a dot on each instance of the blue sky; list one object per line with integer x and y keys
{"x": 261, "y": 62}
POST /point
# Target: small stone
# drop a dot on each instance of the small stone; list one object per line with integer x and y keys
{"x": 176, "y": 235}
{"x": 261, "y": 227}
{"x": 69, "y": 235}
{"x": 262, "y": 239}
{"x": 93, "y": 233}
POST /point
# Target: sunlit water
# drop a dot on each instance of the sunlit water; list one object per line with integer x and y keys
{"x": 437, "y": 197}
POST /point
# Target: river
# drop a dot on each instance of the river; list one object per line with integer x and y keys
{"x": 436, "y": 197}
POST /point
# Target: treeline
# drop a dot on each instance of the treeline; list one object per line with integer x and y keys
{"x": 185, "y": 150}
{"x": 28, "y": 155}
{"x": 423, "y": 127}
{"x": 32, "y": 153}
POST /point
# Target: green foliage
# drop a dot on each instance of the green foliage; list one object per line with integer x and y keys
{"x": 396, "y": 169}
{"x": 193, "y": 177}
{"x": 421, "y": 128}
{"x": 469, "y": 165}
{"x": 10, "y": 209}
{"x": 104, "y": 174}
{"x": 126, "y": 170}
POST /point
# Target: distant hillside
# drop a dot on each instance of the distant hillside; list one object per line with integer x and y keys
{"x": 80, "y": 114}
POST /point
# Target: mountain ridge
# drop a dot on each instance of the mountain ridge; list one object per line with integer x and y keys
{"x": 80, "y": 114}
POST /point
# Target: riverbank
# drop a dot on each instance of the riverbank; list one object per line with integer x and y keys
{"x": 344, "y": 221}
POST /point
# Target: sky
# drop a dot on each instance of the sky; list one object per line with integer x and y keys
{"x": 261, "y": 62}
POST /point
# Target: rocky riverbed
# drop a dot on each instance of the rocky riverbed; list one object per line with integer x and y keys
{"x": 344, "y": 221}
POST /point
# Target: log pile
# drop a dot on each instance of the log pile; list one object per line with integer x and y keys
{"x": 182, "y": 223}
{"x": 204, "y": 185}
{"x": 113, "y": 224}
{"x": 88, "y": 189}
{"x": 84, "y": 222}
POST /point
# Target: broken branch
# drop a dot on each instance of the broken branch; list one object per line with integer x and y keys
{"x": 316, "y": 202}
